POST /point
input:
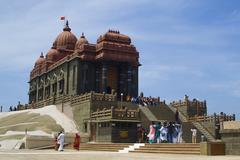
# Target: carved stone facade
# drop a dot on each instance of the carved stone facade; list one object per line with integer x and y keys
{"x": 73, "y": 67}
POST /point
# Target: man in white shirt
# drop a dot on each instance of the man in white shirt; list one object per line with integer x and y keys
{"x": 163, "y": 133}
{"x": 194, "y": 135}
{"x": 60, "y": 141}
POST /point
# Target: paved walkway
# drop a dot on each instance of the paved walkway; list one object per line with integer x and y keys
{"x": 90, "y": 155}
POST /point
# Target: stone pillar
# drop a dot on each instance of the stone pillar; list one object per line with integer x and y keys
{"x": 121, "y": 80}
{"x": 104, "y": 77}
{"x": 134, "y": 81}
{"x": 42, "y": 82}
{"x": 129, "y": 80}
{"x": 85, "y": 87}
{"x": 37, "y": 87}
{"x": 67, "y": 79}
{"x": 97, "y": 80}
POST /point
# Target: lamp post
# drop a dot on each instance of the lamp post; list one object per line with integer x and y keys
{"x": 121, "y": 99}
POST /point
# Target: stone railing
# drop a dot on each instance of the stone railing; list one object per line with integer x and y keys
{"x": 213, "y": 118}
{"x": 105, "y": 113}
{"x": 116, "y": 113}
{"x": 72, "y": 99}
{"x": 103, "y": 97}
{"x": 179, "y": 104}
{"x": 49, "y": 101}
{"x": 129, "y": 114}
{"x": 80, "y": 98}
{"x": 187, "y": 103}
{"x": 93, "y": 96}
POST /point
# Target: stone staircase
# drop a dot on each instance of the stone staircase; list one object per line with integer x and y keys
{"x": 162, "y": 112}
{"x": 181, "y": 116}
{"x": 183, "y": 148}
{"x": 187, "y": 134}
{"x": 204, "y": 131}
{"x": 146, "y": 111}
{"x": 110, "y": 147}
{"x": 188, "y": 125}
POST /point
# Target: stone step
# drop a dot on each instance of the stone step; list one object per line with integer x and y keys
{"x": 162, "y": 112}
{"x": 66, "y": 145}
{"x": 114, "y": 147}
{"x": 106, "y": 143}
{"x": 183, "y": 148}
{"x": 150, "y": 116}
{"x": 167, "y": 152}
{"x": 100, "y": 149}
{"x": 172, "y": 146}
{"x": 203, "y": 131}
{"x": 103, "y": 147}
{"x": 169, "y": 149}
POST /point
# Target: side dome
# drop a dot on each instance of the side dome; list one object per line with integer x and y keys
{"x": 52, "y": 55}
{"x": 40, "y": 60}
{"x": 66, "y": 39}
{"x": 114, "y": 36}
{"x": 82, "y": 40}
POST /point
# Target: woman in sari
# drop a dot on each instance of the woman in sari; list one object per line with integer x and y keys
{"x": 77, "y": 140}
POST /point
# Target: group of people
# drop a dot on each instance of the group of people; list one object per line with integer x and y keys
{"x": 161, "y": 133}
{"x": 165, "y": 133}
{"x": 60, "y": 138}
{"x": 145, "y": 101}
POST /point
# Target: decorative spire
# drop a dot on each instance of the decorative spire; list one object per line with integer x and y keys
{"x": 82, "y": 35}
{"x": 41, "y": 56}
{"x": 67, "y": 28}
{"x": 114, "y": 31}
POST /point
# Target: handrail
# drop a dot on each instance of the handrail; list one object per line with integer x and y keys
{"x": 208, "y": 131}
{"x": 212, "y": 118}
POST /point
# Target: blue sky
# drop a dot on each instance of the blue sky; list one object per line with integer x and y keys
{"x": 186, "y": 46}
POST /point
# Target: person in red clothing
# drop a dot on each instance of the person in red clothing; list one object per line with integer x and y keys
{"x": 77, "y": 140}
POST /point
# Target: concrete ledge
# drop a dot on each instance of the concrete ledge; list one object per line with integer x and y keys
{"x": 38, "y": 141}
{"x": 232, "y": 141}
{"x": 212, "y": 148}
{"x": 227, "y": 131}
{"x": 32, "y": 142}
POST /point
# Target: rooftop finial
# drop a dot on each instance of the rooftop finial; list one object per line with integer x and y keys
{"x": 113, "y": 31}
{"x": 41, "y": 55}
{"x": 67, "y": 28}
{"x": 82, "y": 35}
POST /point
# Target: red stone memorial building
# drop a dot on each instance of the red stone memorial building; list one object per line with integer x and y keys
{"x": 73, "y": 66}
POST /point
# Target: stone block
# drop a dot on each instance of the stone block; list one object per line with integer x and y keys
{"x": 212, "y": 148}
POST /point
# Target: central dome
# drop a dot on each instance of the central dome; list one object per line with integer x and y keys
{"x": 66, "y": 39}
